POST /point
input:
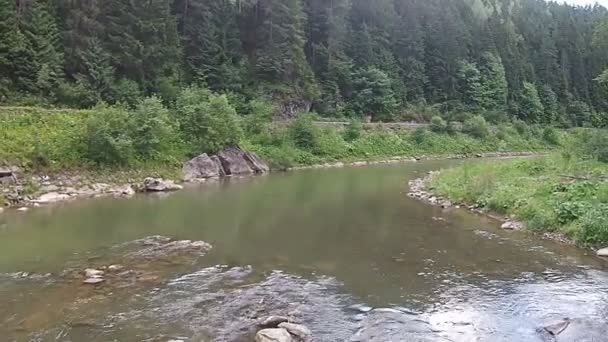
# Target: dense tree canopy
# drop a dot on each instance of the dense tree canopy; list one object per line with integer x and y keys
{"x": 538, "y": 61}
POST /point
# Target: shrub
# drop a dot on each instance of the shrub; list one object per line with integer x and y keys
{"x": 419, "y": 135}
{"x": 304, "y": 133}
{"x": 127, "y": 92}
{"x": 595, "y": 225}
{"x": 521, "y": 128}
{"x": 259, "y": 117}
{"x": 476, "y": 127}
{"x": 207, "y": 121}
{"x": 152, "y": 129}
{"x": 353, "y": 131}
{"x": 551, "y": 135}
{"x": 107, "y": 137}
{"x": 438, "y": 125}
{"x": 594, "y": 144}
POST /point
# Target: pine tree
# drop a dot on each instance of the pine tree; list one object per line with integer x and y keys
{"x": 531, "y": 108}
{"x": 280, "y": 52}
{"x": 43, "y": 35}
{"x": 81, "y": 27}
{"x": 141, "y": 37}
{"x": 211, "y": 42}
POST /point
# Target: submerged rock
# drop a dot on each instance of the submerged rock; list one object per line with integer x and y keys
{"x": 557, "y": 328}
{"x": 202, "y": 167}
{"x": 160, "y": 185}
{"x": 92, "y": 273}
{"x": 274, "y": 335}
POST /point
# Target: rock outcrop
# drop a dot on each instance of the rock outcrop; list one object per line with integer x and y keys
{"x": 160, "y": 185}
{"x": 8, "y": 175}
{"x": 232, "y": 161}
{"x": 202, "y": 167}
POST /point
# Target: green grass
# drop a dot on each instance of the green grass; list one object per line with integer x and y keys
{"x": 53, "y": 140}
{"x": 556, "y": 193}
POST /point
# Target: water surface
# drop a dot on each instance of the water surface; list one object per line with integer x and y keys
{"x": 342, "y": 250}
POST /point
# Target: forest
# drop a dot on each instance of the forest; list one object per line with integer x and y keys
{"x": 530, "y": 60}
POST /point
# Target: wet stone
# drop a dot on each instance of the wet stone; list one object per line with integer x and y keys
{"x": 272, "y": 321}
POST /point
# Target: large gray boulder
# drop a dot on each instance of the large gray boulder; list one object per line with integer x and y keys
{"x": 234, "y": 162}
{"x": 256, "y": 163}
{"x": 202, "y": 167}
{"x": 603, "y": 252}
{"x": 8, "y": 175}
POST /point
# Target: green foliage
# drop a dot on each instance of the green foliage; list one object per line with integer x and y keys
{"x": 531, "y": 108}
{"x": 593, "y": 144}
{"x": 153, "y": 132}
{"x": 476, "y": 127}
{"x": 536, "y": 192}
{"x": 107, "y": 138}
{"x": 304, "y": 133}
{"x": 259, "y": 117}
{"x": 551, "y": 135}
{"x": 373, "y": 94}
{"x": 353, "y": 131}
{"x": 207, "y": 121}
{"x": 438, "y": 125}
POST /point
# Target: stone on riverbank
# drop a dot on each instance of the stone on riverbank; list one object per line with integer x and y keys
{"x": 202, "y": 167}
{"x": 160, "y": 185}
{"x": 603, "y": 252}
{"x": 256, "y": 163}
{"x": 274, "y": 335}
{"x": 512, "y": 225}
{"x": 234, "y": 162}
{"x": 51, "y": 197}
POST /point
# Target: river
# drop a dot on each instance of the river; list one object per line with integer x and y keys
{"x": 344, "y": 251}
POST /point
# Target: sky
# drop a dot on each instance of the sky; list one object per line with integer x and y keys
{"x": 586, "y": 2}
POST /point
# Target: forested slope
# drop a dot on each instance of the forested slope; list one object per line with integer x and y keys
{"x": 528, "y": 59}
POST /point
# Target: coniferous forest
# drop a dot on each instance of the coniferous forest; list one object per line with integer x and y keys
{"x": 536, "y": 61}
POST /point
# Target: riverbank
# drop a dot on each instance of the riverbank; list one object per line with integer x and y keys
{"x": 98, "y": 152}
{"x": 555, "y": 195}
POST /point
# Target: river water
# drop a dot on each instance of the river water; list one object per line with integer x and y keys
{"x": 343, "y": 251}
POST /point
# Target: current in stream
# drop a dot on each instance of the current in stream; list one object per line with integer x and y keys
{"x": 343, "y": 251}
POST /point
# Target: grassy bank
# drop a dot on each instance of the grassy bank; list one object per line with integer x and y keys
{"x": 565, "y": 193}
{"x": 155, "y": 139}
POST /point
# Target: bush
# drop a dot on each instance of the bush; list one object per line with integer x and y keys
{"x": 153, "y": 131}
{"x": 551, "y": 135}
{"x": 476, "y": 127}
{"x": 438, "y": 125}
{"x": 419, "y": 135}
{"x": 521, "y": 128}
{"x": 594, "y": 144}
{"x": 208, "y": 122}
{"x": 353, "y": 131}
{"x": 107, "y": 137}
{"x": 127, "y": 92}
{"x": 259, "y": 117}
{"x": 304, "y": 133}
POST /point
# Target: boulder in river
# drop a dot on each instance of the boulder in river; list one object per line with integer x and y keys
{"x": 234, "y": 162}
{"x": 160, "y": 185}
{"x": 202, "y": 167}
{"x": 603, "y": 252}
{"x": 297, "y": 330}
{"x": 274, "y": 335}
{"x": 272, "y": 321}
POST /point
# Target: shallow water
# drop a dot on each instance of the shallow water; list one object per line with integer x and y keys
{"x": 344, "y": 251}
